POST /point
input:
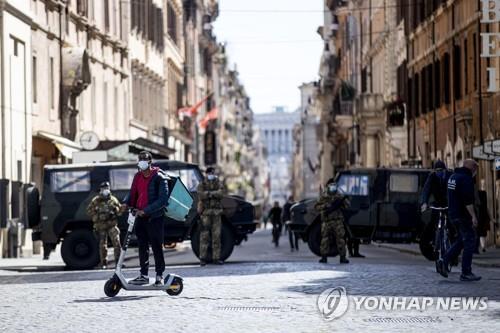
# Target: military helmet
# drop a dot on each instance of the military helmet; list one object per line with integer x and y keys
{"x": 330, "y": 181}
{"x": 104, "y": 185}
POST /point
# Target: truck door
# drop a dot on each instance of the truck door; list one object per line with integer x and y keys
{"x": 357, "y": 187}
{"x": 399, "y": 215}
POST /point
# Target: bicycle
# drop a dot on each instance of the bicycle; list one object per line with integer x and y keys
{"x": 442, "y": 241}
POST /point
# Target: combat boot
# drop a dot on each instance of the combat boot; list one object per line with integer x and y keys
{"x": 343, "y": 260}
{"x": 323, "y": 260}
{"x": 203, "y": 263}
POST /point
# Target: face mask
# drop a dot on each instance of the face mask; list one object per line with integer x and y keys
{"x": 211, "y": 177}
{"x": 105, "y": 193}
{"x": 332, "y": 188}
{"x": 143, "y": 165}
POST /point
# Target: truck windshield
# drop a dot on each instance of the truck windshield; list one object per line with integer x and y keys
{"x": 190, "y": 177}
{"x": 354, "y": 184}
{"x": 121, "y": 179}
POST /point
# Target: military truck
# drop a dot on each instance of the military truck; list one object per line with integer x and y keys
{"x": 384, "y": 207}
{"x": 59, "y": 213}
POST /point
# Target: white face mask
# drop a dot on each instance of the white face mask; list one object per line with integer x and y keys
{"x": 143, "y": 165}
{"x": 332, "y": 188}
{"x": 211, "y": 177}
{"x": 105, "y": 193}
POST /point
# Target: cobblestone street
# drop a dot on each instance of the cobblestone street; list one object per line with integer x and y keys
{"x": 247, "y": 296}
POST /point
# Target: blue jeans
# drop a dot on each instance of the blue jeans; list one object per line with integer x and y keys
{"x": 466, "y": 240}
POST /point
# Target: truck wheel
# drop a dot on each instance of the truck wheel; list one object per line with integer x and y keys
{"x": 33, "y": 206}
{"x": 80, "y": 249}
{"x": 227, "y": 243}
{"x": 314, "y": 241}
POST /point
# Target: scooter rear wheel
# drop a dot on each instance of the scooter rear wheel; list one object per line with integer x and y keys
{"x": 175, "y": 288}
{"x": 112, "y": 287}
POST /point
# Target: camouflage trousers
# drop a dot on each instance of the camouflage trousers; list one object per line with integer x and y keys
{"x": 328, "y": 229}
{"x": 114, "y": 234}
{"x": 210, "y": 233}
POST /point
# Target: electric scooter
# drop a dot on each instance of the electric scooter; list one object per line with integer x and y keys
{"x": 173, "y": 284}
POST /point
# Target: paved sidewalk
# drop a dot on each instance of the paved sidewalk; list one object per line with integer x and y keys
{"x": 56, "y": 261}
{"x": 490, "y": 258}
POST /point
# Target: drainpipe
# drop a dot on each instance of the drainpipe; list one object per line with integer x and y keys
{"x": 481, "y": 137}
{"x": 2, "y": 78}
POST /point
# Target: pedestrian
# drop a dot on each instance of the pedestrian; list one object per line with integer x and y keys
{"x": 104, "y": 210}
{"x": 330, "y": 205}
{"x": 286, "y": 220}
{"x": 484, "y": 219}
{"x": 149, "y": 196}
{"x": 275, "y": 216}
{"x": 353, "y": 247}
{"x": 462, "y": 215}
{"x": 210, "y": 192}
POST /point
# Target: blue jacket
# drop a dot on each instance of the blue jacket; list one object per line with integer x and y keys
{"x": 157, "y": 195}
{"x": 460, "y": 193}
{"x": 436, "y": 186}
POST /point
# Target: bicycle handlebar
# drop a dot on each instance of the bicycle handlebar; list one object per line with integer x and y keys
{"x": 438, "y": 208}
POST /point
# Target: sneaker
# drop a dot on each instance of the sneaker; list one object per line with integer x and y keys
{"x": 357, "y": 255}
{"x": 159, "y": 281}
{"x": 469, "y": 277}
{"x": 323, "y": 260}
{"x": 203, "y": 263}
{"x": 441, "y": 268}
{"x": 140, "y": 280}
{"x": 343, "y": 260}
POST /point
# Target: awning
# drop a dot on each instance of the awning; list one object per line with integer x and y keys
{"x": 154, "y": 148}
{"x": 64, "y": 145}
{"x": 128, "y": 150}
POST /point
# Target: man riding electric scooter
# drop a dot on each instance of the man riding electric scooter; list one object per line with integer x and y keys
{"x": 149, "y": 196}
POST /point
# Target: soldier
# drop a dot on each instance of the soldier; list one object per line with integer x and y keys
{"x": 104, "y": 210}
{"x": 330, "y": 205}
{"x": 210, "y": 193}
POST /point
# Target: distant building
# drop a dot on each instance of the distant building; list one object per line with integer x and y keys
{"x": 276, "y": 131}
{"x": 306, "y": 151}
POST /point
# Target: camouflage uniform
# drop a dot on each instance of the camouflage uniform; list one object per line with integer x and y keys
{"x": 210, "y": 195}
{"x": 104, "y": 213}
{"x": 332, "y": 222}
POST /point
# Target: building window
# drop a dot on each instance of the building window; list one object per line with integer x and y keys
{"x": 51, "y": 83}
{"x": 474, "y": 50}
{"x": 172, "y": 22}
{"x": 106, "y": 15}
{"x": 93, "y": 101}
{"x": 34, "y": 80}
{"x": 437, "y": 82}
{"x": 466, "y": 67}
{"x": 105, "y": 104}
{"x": 82, "y": 7}
{"x": 456, "y": 73}
{"x": 446, "y": 78}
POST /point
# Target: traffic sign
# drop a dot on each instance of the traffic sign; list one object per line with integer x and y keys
{"x": 479, "y": 153}
{"x": 489, "y": 148}
{"x": 496, "y": 146}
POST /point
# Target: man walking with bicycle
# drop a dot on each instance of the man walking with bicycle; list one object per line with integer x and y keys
{"x": 462, "y": 215}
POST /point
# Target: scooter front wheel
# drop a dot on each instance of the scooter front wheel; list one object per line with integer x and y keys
{"x": 112, "y": 287}
{"x": 175, "y": 288}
